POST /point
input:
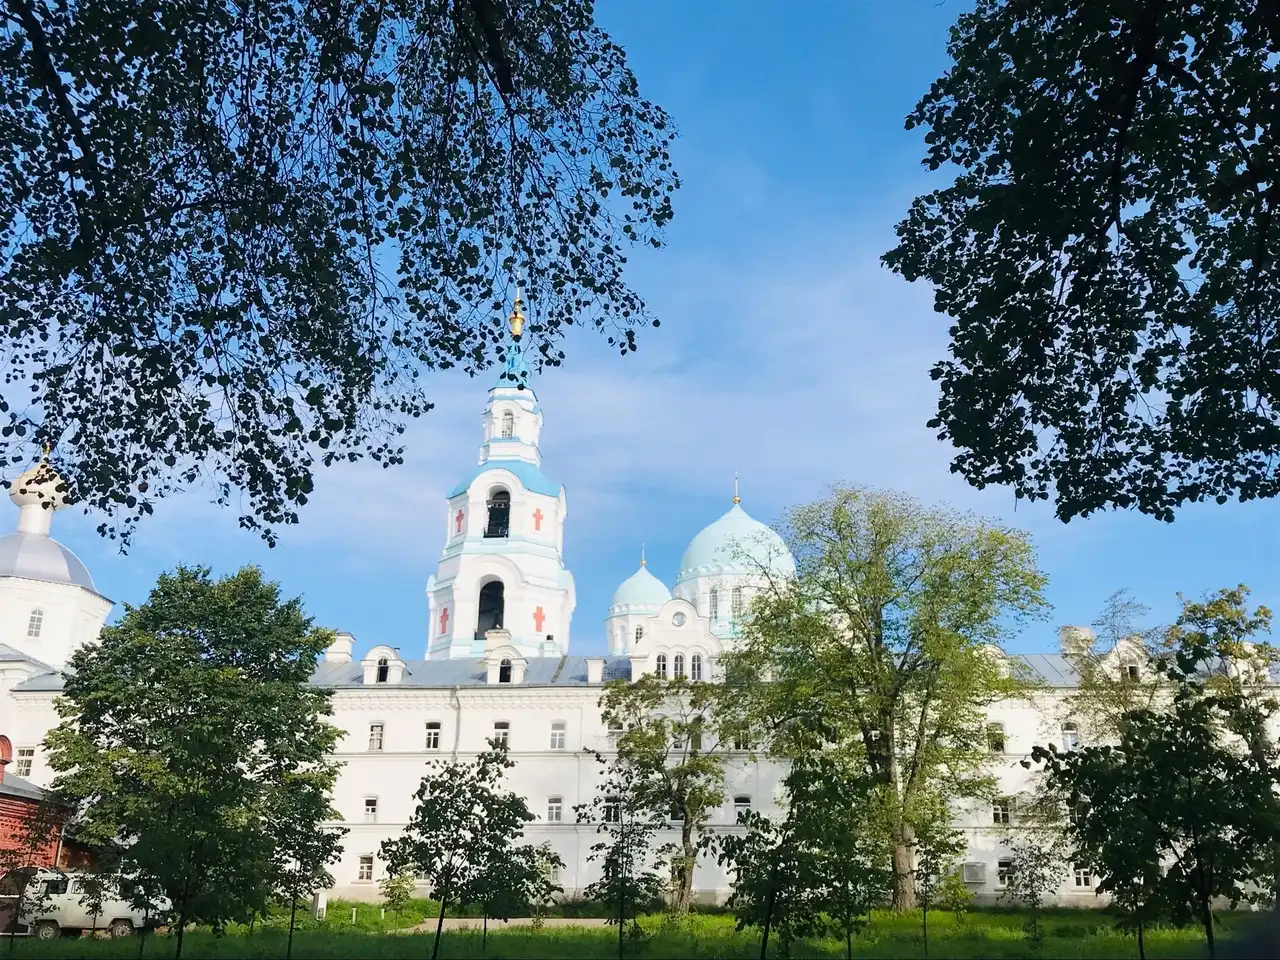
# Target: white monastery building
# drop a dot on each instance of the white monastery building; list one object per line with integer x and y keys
{"x": 496, "y": 661}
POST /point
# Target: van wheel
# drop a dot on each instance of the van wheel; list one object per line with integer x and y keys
{"x": 47, "y": 930}
{"x": 121, "y": 928}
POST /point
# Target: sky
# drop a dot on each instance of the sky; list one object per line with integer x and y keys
{"x": 786, "y": 353}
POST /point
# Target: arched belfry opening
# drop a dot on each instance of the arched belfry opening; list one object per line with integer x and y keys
{"x": 499, "y": 514}
{"x": 491, "y": 608}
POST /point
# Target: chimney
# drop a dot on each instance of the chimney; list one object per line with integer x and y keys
{"x": 595, "y": 669}
{"x": 1075, "y": 641}
{"x": 339, "y": 651}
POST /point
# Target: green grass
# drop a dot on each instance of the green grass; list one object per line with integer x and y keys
{"x": 987, "y": 933}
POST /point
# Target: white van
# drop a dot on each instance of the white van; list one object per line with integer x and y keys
{"x": 53, "y": 904}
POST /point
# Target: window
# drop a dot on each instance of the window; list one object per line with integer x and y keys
{"x": 35, "y": 623}
{"x": 741, "y": 804}
{"x": 677, "y": 666}
{"x": 741, "y": 742}
{"x": 366, "y": 868}
{"x": 502, "y": 732}
{"x": 499, "y": 514}
{"x": 1070, "y": 736}
{"x": 1000, "y": 812}
{"x": 1131, "y": 672}
{"x": 26, "y": 757}
{"x": 504, "y": 670}
{"x": 1083, "y": 876}
{"x": 1076, "y": 812}
{"x": 551, "y": 870}
{"x": 375, "y": 736}
{"x": 555, "y": 809}
{"x": 508, "y": 425}
{"x": 612, "y": 810}
{"x": 713, "y": 604}
{"x": 695, "y": 667}
{"x": 1004, "y": 871}
{"x": 383, "y": 669}
{"x": 676, "y": 813}
{"x": 557, "y": 735}
{"x": 660, "y": 666}
{"x": 735, "y": 602}
{"x": 995, "y": 738}
{"x": 370, "y": 809}
{"x": 433, "y": 734}
{"x": 639, "y": 634}
{"x": 615, "y": 731}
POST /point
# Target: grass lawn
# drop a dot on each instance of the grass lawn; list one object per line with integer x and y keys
{"x": 994, "y": 933}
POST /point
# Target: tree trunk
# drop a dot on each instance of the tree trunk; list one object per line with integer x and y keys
{"x": 685, "y": 895}
{"x": 622, "y": 890}
{"x": 484, "y": 932}
{"x": 924, "y": 924}
{"x": 1142, "y": 946}
{"x": 904, "y": 886}
{"x": 769, "y": 903}
{"x": 146, "y": 926}
{"x": 293, "y": 916}
{"x": 444, "y": 898}
{"x": 1206, "y": 919}
{"x": 182, "y": 924}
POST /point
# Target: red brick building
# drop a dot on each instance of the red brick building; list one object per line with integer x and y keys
{"x": 30, "y": 831}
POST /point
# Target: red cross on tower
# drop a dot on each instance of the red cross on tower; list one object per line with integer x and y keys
{"x": 444, "y": 620}
{"x": 457, "y": 522}
{"x": 538, "y": 618}
{"x": 537, "y": 523}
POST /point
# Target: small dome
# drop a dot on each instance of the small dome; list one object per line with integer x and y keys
{"x": 736, "y": 543}
{"x": 36, "y": 557}
{"x": 641, "y": 589}
{"x": 39, "y": 485}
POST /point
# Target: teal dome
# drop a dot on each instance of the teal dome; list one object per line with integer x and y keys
{"x": 641, "y": 589}
{"x": 736, "y": 543}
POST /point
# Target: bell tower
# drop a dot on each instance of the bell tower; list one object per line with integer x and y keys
{"x": 501, "y": 581}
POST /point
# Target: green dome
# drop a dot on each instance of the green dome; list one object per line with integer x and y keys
{"x": 641, "y": 589}
{"x": 736, "y": 543}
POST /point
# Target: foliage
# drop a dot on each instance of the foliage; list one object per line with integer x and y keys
{"x": 1036, "y": 872}
{"x": 464, "y": 826}
{"x": 670, "y": 740}
{"x": 938, "y": 882}
{"x": 397, "y": 889}
{"x": 182, "y": 731}
{"x": 880, "y": 648}
{"x": 234, "y": 238}
{"x": 1107, "y": 251}
{"x": 518, "y": 884}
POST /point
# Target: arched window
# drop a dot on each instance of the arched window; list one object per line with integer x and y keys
{"x": 491, "y": 609}
{"x": 557, "y": 735}
{"x": 508, "y": 425}
{"x": 695, "y": 667}
{"x": 639, "y": 634}
{"x": 713, "y": 604}
{"x": 499, "y": 514}
{"x": 660, "y": 666}
{"x": 383, "y": 669}
{"x": 735, "y": 602}
{"x": 504, "y": 670}
{"x": 35, "y": 623}
{"x": 677, "y": 666}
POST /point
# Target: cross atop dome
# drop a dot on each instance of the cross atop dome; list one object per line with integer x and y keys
{"x": 515, "y": 371}
{"x": 736, "y": 498}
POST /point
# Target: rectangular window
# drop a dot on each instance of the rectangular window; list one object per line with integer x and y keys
{"x": 740, "y": 742}
{"x": 615, "y": 731}
{"x": 375, "y": 736}
{"x": 370, "y": 809}
{"x": 612, "y": 810}
{"x": 1000, "y": 812}
{"x": 366, "y": 868}
{"x": 555, "y": 810}
{"x": 1070, "y": 736}
{"x": 433, "y": 735}
{"x": 995, "y": 738}
{"x": 1083, "y": 877}
{"x": 1004, "y": 870}
{"x": 26, "y": 757}
{"x": 557, "y": 735}
{"x": 502, "y": 732}
{"x": 741, "y": 804}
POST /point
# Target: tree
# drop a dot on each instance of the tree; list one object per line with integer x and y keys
{"x": 937, "y": 880}
{"x": 626, "y": 824}
{"x": 397, "y": 891}
{"x": 881, "y": 647}
{"x": 1036, "y": 871}
{"x": 177, "y": 729}
{"x": 235, "y": 239}
{"x": 670, "y": 738}
{"x": 517, "y": 883}
{"x": 1107, "y": 251}
{"x": 464, "y": 825}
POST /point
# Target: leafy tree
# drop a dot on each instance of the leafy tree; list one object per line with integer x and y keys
{"x": 879, "y": 647}
{"x": 1107, "y": 251}
{"x": 178, "y": 728}
{"x": 397, "y": 891}
{"x": 937, "y": 880}
{"x": 626, "y": 824}
{"x": 515, "y": 884}
{"x": 669, "y": 737}
{"x": 1036, "y": 872}
{"x": 234, "y": 238}
{"x": 464, "y": 825}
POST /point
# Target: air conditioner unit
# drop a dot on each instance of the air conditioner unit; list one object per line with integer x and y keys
{"x": 975, "y": 873}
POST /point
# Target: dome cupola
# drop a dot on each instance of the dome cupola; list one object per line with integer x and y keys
{"x": 736, "y": 543}
{"x": 641, "y": 591}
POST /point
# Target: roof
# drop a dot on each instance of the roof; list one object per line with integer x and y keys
{"x": 15, "y": 786}
{"x": 34, "y": 556}
{"x": 9, "y": 655}
{"x": 736, "y": 543}
{"x": 641, "y": 589}
{"x": 563, "y": 671}
{"x": 1051, "y": 669}
{"x": 41, "y": 682}
{"x": 530, "y": 477}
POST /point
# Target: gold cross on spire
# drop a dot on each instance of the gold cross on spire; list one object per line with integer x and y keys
{"x": 642, "y": 553}
{"x": 736, "y": 498}
{"x": 516, "y": 320}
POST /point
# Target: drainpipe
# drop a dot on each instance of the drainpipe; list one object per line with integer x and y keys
{"x": 457, "y": 721}
{"x": 57, "y": 855}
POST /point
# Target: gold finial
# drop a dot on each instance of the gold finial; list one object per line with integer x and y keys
{"x": 46, "y": 448}
{"x": 736, "y": 498}
{"x": 642, "y": 553}
{"x": 516, "y": 320}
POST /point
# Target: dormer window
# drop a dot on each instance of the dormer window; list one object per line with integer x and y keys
{"x": 383, "y": 669}
{"x": 35, "y": 623}
{"x": 660, "y": 666}
{"x": 713, "y": 604}
{"x": 508, "y": 425}
{"x": 499, "y": 524}
{"x": 504, "y": 670}
{"x": 1130, "y": 672}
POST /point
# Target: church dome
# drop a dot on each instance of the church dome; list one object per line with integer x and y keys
{"x": 641, "y": 589}
{"x": 736, "y": 544}
{"x": 34, "y": 556}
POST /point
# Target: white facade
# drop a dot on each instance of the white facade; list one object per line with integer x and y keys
{"x": 495, "y": 658}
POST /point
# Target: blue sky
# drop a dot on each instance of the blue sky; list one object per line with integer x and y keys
{"x": 785, "y": 352}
